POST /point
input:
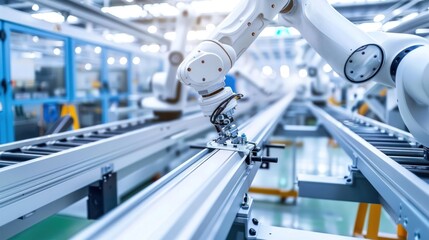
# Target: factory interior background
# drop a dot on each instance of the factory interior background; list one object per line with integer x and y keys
{"x": 214, "y": 119}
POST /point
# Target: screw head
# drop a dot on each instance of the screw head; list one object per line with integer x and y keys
{"x": 252, "y": 232}
{"x": 255, "y": 221}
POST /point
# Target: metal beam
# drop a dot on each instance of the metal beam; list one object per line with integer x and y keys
{"x": 405, "y": 194}
{"x": 199, "y": 199}
{"x": 95, "y": 15}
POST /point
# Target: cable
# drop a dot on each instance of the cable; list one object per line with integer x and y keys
{"x": 222, "y": 107}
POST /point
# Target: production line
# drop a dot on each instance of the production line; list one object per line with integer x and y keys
{"x": 186, "y": 160}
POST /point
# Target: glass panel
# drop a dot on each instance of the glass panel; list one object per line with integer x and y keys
{"x": 88, "y": 70}
{"x": 142, "y": 73}
{"x": 117, "y": 75}
{"x": 89, "y": 113}
{"x": 37, "y": 67}
{"x": 34, "y": 120}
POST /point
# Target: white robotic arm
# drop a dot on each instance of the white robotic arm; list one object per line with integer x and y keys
{"x": 387, "y": 58}
{"x": 169, "y": 96}
{"x": 352, "y": 53}
{"x": 205, "y": 67}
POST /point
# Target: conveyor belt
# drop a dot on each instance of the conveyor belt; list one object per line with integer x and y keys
{"x": 410, "y": 155}
{"x": 22, "y": 154}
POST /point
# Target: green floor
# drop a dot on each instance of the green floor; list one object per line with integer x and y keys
{"x": 314, "y": 157}
{"x": 57, "y": 227}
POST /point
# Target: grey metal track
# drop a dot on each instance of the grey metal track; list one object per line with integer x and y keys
{"x": 198, "y": 200}
{"x": 391, "y": 160}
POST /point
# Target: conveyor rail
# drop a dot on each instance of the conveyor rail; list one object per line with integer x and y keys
{"x": 409, "y": 154}
{"x": 390, "y": 159}
{"x": 25, "y": 153}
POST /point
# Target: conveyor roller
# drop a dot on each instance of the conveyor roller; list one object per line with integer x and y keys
{"x": 408, "y": 154}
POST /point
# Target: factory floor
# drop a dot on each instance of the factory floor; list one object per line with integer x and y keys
{"x": 314, "y": 156}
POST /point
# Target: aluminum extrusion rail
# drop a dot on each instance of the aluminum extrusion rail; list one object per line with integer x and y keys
{"x": 392, "y": 161}
{"x": 40, "y": 171}
{"x": 198, "y": 200}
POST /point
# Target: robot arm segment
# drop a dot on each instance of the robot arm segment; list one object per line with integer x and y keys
{"x": 359, "y": 57}
{"x": 206, "y": 66}
{"x": 165, "y": 84}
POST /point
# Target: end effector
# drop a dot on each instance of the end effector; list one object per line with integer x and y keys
{"x": 204, "y": 69}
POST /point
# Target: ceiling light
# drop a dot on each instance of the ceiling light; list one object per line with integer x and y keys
{"x": 126, "y": 12}
{"x": 57, "y": 51}
{"x": 120, "y": 37}
{"x": 88, "y": 66}
{"x": 379, "y": 18}
{"x": 284, "y": 71}
{"x": 303, "y": 73}
{"x": 35, "y": 39}
{"x": 422, "y": 31}
{"x": 152, "y": 29}
{"x": 267, "y": 70}
{"x": 35, "y": 7}
{"x": 327, "y": 68}
{"x": 389, "y": 25}
{"x": 136, "y": 60}
{"x": 78, "y": 50}
{"x": 123, "y": 60}
{"x": 72, "y": 19}
{"x": 110, "y": 60}
{"x": 154, "y": 48}
{"x": 409, "y": 16}
{"x": 397, "y": 11}
{"x": 97, "y": 50}
{"x": 52, "y": 17}
{"x": 144, "y": 48}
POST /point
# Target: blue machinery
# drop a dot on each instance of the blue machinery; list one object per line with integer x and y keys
{"x": 25, "y": 85}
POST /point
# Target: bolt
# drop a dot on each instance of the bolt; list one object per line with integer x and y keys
{"x": 252, "y": 232}
{"x": 255, "y": 221}
{"x": 416, "y": 236}
{"x": 244, "y": 206}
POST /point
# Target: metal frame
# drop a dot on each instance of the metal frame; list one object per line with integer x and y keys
{"x": 22, "y": 22}
{"x": 403, "y": 194}
{"x": 207, "y": 192}
{"x": 12, "y": 27}
{"x": 3, "y": 112}
{"x": 29, "y": 185}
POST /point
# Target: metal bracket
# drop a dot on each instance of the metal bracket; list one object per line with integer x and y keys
{"x": 243, "y": 148}
{"x": 354, "y": 188}
{"x": 103, "y": 195}
{"x": 244, "y": 225}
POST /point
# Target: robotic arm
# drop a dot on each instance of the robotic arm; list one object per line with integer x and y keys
{"x": 387, "y": 58}
{"x": 205, "y": 67}
{"x": 169, "y": 96}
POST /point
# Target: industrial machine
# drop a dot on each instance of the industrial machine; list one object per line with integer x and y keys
{"x": 205, "y": 197}
{"x": 170, "y": 96}
{"x": 357, "y": 56}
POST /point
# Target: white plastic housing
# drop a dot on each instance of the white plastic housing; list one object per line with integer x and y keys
{"x": 209, "y": 104}
{"x": 412, "y": 80}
